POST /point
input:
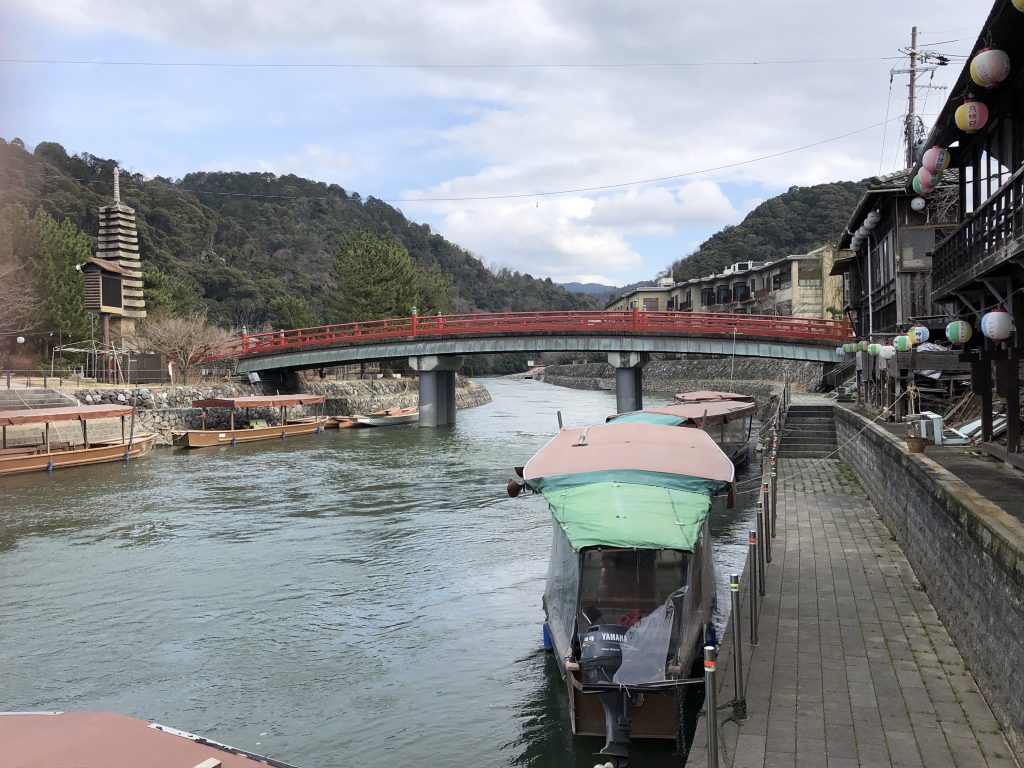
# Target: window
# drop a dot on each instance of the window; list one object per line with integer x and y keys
{"x": 707, "y": 296}
{"x": 651, "y": 304}
{"x": 809, "y": 273}
{"x": 740, "y": 291}
{"x": 723, "y": 294}
{"x": 111, "y": 291}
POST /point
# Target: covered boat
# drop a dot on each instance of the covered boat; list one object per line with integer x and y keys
{"x": 704, "y": 396}
{"x": 52, "y": 449}
{"x": 630, "y": 586}
{"x": 729, "y": 422}
{"x": 258, "y": 428}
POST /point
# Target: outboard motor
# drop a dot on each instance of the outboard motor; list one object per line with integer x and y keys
{"x": 600, "y": 659}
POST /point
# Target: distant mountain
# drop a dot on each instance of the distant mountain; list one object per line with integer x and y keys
{"x": 592, "y": 289}
{"x": 797, "y": 221}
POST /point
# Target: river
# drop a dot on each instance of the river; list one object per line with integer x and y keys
{"x": 357, "y": 598}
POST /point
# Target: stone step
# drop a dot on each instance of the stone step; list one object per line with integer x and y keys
{"x": 814, "y": 419}
{"x": 811, "y": 409}
{"x": 36, "y": 397}
{"x": 804, "y": 454}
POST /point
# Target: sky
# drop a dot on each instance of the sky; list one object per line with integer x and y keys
{"x": 493, "y": 121}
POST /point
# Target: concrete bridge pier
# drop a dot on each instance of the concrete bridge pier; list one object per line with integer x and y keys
{"x": 437, "y": 388}
{"x": 629, "y": 379}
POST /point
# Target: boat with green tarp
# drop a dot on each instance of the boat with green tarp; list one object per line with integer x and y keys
{"x": 630, "y": 585}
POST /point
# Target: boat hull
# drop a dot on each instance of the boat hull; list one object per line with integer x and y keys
{"x": 96, "y": 453}
{"x": 387, "y": 421}
{"x": 208, "y": 438}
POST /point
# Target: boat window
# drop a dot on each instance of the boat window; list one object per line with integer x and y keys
{"x": 621, "y": 586}
{"x": 735, "y": 432}
{"x": 561, "y": 590}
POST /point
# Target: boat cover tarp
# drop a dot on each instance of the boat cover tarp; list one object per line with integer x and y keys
{"x": 707, "y": 396}
{"x": 649, "y": 417}
{"x": 64, "y": 413}
{"x": 706, "y": 412}
{"x": 613, "y": 514}
{"x": 258, "y": 401}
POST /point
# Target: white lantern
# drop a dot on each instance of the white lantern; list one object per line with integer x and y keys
{"x": 918, "y": 203}
{"x": 21, "y": 339}
{"x": 887, "y": 352}
{"x": 872, "y": 219}
{"x": 997, "y": 324}
{"x": 920, "y": 334}
{"x": 863, "y": 232}
{"x": 990, "y": 67}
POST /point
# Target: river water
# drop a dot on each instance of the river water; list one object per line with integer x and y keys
{"x": 357, "y": 598}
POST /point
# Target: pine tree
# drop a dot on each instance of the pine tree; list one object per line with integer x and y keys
{"x": 374, "y": 278}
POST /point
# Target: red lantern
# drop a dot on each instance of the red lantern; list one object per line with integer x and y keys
{"x": 936, "y": 159}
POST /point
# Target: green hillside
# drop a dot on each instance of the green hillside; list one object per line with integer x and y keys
{"x": 796, "y": 221}
{"x": 246, "y": 239}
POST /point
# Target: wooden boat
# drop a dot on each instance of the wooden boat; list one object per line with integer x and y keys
{"x": 704, "y": 395}
{"x": 729, "y": 422}
{"x": 258, "y": 429}
{"x": 630, "y": 587}
{"x": 387, "y": 418}
{"x": 50, "y": 454}
{"x": 46, "y": 739}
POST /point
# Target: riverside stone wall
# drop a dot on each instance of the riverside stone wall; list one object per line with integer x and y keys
{"x": 966, "y": 551}
{"x": 163, "y": 409}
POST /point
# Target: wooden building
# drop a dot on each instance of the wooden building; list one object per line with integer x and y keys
{"x": 976, "y": 266}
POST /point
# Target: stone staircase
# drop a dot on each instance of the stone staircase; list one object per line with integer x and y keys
{"x": 33, "y": 397}
{"x": 809, "y": 432}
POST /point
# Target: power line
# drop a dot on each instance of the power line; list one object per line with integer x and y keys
{"x": 544, "y": 193}
{"x": 421, "y": 65}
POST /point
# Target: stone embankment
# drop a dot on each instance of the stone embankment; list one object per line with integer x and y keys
{"x": 759, "y": 378}
{"x": 163, "y": 409}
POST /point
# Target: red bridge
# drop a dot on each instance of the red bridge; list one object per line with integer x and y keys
{"x": 435, "y": 345}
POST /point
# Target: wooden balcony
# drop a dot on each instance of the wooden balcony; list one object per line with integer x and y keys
{"x": 986, "y": 241}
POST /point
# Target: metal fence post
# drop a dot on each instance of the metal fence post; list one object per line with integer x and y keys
{"x": 760, "y": 551}
{"x": 752, "y": 569}
{"x": 711, "y": 704}
{"x": 739, "y": 704}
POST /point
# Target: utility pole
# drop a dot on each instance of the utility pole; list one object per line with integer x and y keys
{"x": 911, "y": 123}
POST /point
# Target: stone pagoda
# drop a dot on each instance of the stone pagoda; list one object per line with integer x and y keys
{"x": 119, "y": 245}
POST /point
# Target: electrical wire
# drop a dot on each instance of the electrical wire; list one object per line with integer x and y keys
{"x": 543, "y": 193}
{"x": 415, "y": 65}
{"x": 885, "y": 132}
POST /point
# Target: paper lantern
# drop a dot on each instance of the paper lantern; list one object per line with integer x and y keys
{"x": 902, "y": 343}
{"x": 971, "y": 116}
{"x": 990, "y": 67}
{"x": 1019, "y": 5}
{"x": 874, "y": 349}
{"x": 997, "y": 324}
{"x": 919, "y": 203}
{"x": 919, "y": 334}
{"x": 929, "y": 180}
{"x": 849, "y": 348}
{"x": 887, "y": 352}
{"x": 920, "y": 188}
{"x": 960, "y": 331}
{"x": 936, "y": 160}
{"x": 872, "y": 219}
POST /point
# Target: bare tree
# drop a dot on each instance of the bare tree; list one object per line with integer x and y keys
{"x": 183, "y": 340}
{"x": 17, "y": 299}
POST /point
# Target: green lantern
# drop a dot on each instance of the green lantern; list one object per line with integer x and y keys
{"x": 862, "y": 346}
{"x": 959, "y": 332}
{"x": 873, "y": 349}
{"x": 902, "y": 343}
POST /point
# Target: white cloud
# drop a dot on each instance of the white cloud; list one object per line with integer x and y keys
{"x": 482, "y": 131}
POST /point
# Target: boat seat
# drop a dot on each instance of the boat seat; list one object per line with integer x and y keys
{"x": 258, "y": 424}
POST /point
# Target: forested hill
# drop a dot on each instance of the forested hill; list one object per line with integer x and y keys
{"x": 797, "y": 221}
{"x": 245, "y": 239}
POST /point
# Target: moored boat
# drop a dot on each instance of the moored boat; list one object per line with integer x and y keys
{"x": 46, "y": 739}
{"x": 257, "y": 429}
{"x": 704, "y": 395}
{"x": 389, "y": 417}
{"x": 55, "y": 451}
{"x": 630, "y": 586}
{"x": 728, "y": 422}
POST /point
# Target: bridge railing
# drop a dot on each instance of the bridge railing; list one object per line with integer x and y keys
{"x": 782, "y": 328}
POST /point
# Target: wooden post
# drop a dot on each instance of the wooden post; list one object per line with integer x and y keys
{"x": 122, "y": 431}
{"x": 5, "y": 436}
{"x": 231, "y": 420}
{"x": 981, "y": 383}
{"x": 47, "y": 434}
{"x": 1008, "y": 372}
{"x": 85, "y": 434}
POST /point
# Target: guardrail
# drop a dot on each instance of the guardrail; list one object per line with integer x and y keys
{"x": 782, "y": 328}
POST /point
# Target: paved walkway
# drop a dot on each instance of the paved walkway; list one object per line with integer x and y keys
{"x": 853, "y": 668}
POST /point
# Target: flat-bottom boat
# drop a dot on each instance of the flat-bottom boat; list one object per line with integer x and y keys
{"x": 258, "y": 429}
{"x": 630, "y": 585}
{"x": 387, "y": 418}
{"x": 50, "y": 454}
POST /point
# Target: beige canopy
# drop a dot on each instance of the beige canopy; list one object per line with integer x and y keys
{"x": 703, "y": 413}
{"x": 258, "y": 401}
{"x": 707, "y": 395}
{"x": 68, "y": 413}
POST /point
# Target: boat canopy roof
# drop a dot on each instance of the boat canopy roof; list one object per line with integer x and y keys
{"x": 64, "y": 413}
{"x": 258, "y": 401}
{"x": 701, "y": 413}
{"x": 705, "y": 395}
{"x": 630, "y": 484}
